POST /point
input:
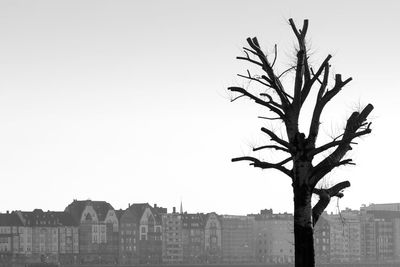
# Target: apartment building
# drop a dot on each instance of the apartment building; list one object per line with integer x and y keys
{"x": 212, "y": 239}
{"x": 141, "y": 234}
{"x": 172, "y": 227}
{"x": 274, "y": 239}
{"x": 238, "y": 239}
{"x": 193, "y": 237}
{"x": 98, "y": 230}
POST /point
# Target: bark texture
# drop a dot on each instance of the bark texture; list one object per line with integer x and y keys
{"x": 303, "y": 228}
{"x": 300, "y": 149}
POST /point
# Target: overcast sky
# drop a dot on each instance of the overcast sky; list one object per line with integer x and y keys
{"x": 125, "y": 101}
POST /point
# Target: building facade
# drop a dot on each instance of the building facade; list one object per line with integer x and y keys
{"x": 14, "y": 246}
{"x": 98, "y": 231}
{"x": 48, "y": 236}
{"x": 322, "y": 240}
{"x": 141, "y": 234}
{"x": 172, "y": 245}
{"x": 212, "y": 239}
{"x": 238, "y": 239}
{"x": 193, "y": 238}
{"x": 345, "y": 236}
{"x": 274, "y": 241}
{"x": 380, "y": 234}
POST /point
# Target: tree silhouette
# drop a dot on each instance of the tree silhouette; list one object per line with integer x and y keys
{"x": 301, "y": 150}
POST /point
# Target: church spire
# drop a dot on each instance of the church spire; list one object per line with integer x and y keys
{"x": 181, "y": 210}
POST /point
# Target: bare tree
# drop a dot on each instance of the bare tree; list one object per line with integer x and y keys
{"x": 301, "y": 150}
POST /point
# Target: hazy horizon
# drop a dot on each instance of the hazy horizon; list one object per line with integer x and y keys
{"x": 126, "y": 101}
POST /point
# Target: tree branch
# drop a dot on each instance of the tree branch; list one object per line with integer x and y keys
{"x": 328, "y": 165}
{"x": 310, "y": 82}
{"x": 276, "y": 55}
{"x": 266, "y": 165}
{"x": 354, "y": 122}
{"x": 322, "y": 99}
{"x": 249, "y": 77}
{"x": 338, "y": 142}
{"x": 272, "y": 146}
{"x": 325, "y": 196}
{"x": 250, "y": 60}
{"x": 283, "y": 73}
{"x": 275, "y": 138}
{"x": 302, "y": 68}
{"x": 266, "y": 66}
{"x": 257, "y": 100}
{"x": 268, "y": 118}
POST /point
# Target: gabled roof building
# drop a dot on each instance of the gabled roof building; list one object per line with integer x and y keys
{"x": 140, "y": 236}
{"x": 98, "y": 230}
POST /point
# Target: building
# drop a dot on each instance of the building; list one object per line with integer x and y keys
{"x": 274, "y": 239}
{"x": 212, "y": 239}
{"x": 322, "y": 240}
{"x": 380, "y": 234}
{"x": 193, "y": 237}
{"x": 345, "y": 236}
{"x": 172, "y": 245}
{"x": 13, "y": 239}
{"x": 382, "y": 206}
{"x": 98, "y": 230}
{"x": 141, "y": 234}
{"x": 238, "y": 239}
{"x": 48, "y": 236}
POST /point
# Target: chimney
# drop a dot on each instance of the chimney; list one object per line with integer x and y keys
{"x": 155, "y": 205}
{"x": 173, "y": 210}
{"x": 8, "y": 212}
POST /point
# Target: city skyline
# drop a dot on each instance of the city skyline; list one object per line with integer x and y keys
{"x": 127, "y": 101}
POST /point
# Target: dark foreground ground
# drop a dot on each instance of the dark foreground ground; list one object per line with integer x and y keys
{"x": 249, "y": 265}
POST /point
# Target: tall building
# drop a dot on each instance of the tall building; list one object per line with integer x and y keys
{"x": 141, "y": 234}
{"x": 193, "y": 237}
{"x": 212, "y": 239}
{"x": 274, "y": 237}
{"x": 322, "y": 242}
{"x": 129, "y": 236}
{"x": 345, "y": 236}
{"x": 172, "y": 248}
{"x": 380, "y": 234}
{"x": 238, "y": 239}
{"x": 98, "y": 230}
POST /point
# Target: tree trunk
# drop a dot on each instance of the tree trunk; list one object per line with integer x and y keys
{"x": 303, "y": 229}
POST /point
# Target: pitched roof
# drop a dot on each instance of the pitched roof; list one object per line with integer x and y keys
{"x": 119, "y": 213}
{"x": 78, "y": 206}
{"x": 38, "y": 217}
{"x": 138, "y": 209}
{"x": 10, "y": 219}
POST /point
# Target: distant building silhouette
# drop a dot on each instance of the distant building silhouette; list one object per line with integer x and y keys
{"x": 92, "y": 232}
{"x": 212, "y": 239}
{"x": 98, "y": 230}
{"x": 141, "y": 235}
{"x": 274, "y": 241}
{"x": 237, "y": 239}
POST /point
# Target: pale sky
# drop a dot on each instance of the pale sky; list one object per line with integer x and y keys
{"x": 126, "y": 101}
